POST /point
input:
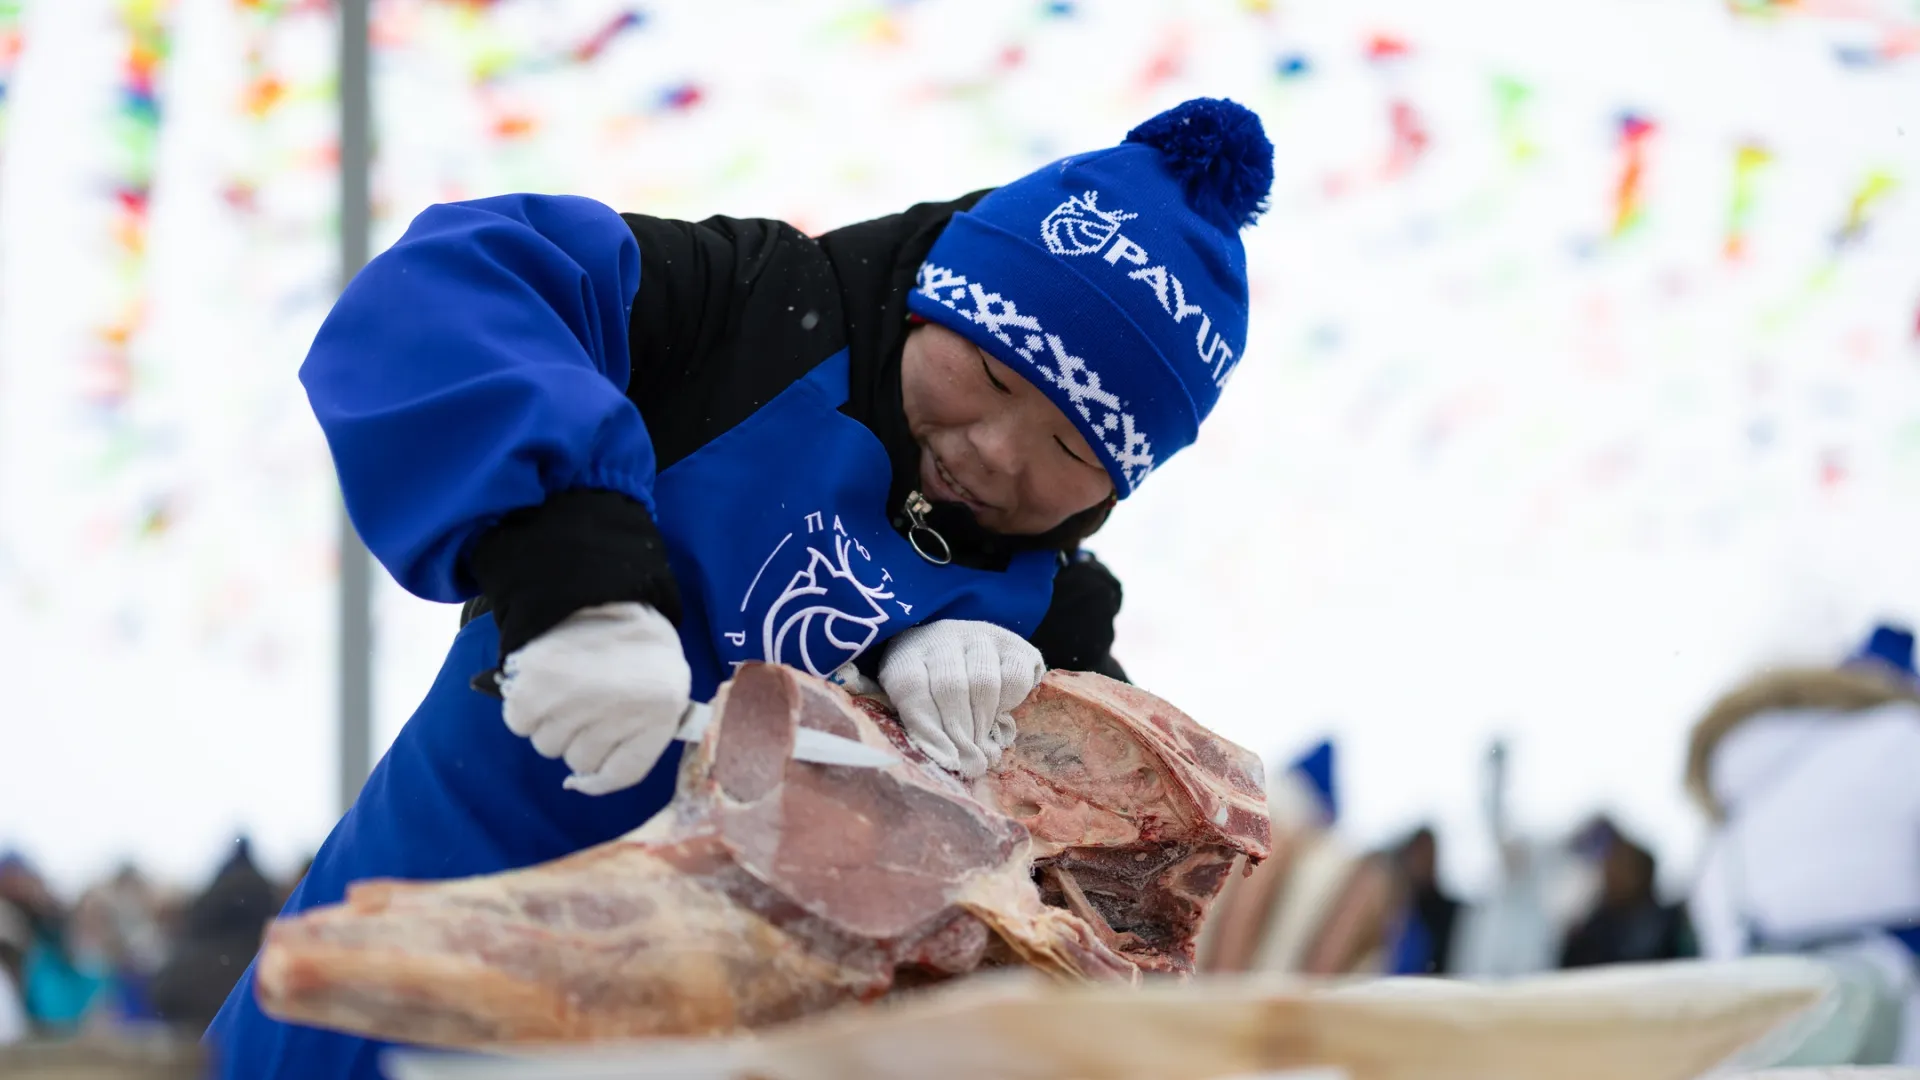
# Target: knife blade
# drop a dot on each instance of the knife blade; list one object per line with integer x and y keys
{"x": 809, "y": 744}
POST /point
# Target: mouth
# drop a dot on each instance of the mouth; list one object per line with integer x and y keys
{"x": 947, "y": 489}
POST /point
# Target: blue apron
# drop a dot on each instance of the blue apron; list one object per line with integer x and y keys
{"x": 778, "y": 535}
{"x": 782, "y": 548}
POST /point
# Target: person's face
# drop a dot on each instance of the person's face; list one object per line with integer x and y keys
{"x": 1625, "y": 877}
{"x": 27, "y": 889}
{"x": 991, "y": 440}
{"x": 1419, "y": 858}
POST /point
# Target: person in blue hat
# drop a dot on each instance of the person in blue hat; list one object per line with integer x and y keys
{"x": 643, "y": 452}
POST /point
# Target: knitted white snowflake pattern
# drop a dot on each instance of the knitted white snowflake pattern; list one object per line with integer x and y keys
{"x": 1101, "y": 408}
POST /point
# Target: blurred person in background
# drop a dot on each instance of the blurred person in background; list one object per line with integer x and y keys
{"x": 218, "y": 939}
{"x": 1316, "y": 906}
{"x": 644, "y": 452}
{"x": 16, "y": 936}
{"x": 1811, "y": 779}
{"x": 119, "y": 926}
{"x": 1628, "y": 923}
{"x": 1320, "y": 907}
{"x": 1424, "y": 927}
{"x": 59, "y": 988}
{"x": 1540, "y": 891}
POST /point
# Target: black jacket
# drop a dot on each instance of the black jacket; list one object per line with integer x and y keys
{"x": 223, "y": 929}
{"x": 1636, "y": 933}
{"x": 730, "y": 313}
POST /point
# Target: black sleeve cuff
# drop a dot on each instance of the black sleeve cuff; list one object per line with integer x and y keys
{"x": 578, "y": 549}
{"x": 1077, "y": 631}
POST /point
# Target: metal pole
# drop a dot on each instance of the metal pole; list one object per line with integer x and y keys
{"x": 356, "y": 565}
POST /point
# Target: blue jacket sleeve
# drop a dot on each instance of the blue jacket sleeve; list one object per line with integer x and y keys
{"x": 476, "y": 367}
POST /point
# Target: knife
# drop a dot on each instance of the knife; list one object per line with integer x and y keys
{"x": 809, "y": 744}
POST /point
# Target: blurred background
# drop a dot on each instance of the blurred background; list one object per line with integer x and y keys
{"x": 1583, "y": 381}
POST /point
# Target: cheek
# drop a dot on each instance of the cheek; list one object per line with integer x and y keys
{"x": 936, "y": 394}
{"x": 1060, "y": 486}
{"x": 1080, "y": 488}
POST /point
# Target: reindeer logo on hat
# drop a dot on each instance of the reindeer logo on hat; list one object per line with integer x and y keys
{"x": 1079, "y": 227}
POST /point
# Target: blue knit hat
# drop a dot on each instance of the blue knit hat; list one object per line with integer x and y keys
{"x": 1316, "y": 768}
{"x": 1115, "y": 281}
{"x": 1889, "y": 648}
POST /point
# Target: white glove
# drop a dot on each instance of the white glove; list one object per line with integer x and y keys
{"x": 605, "y": 690}
{"x": 956, "y": 683}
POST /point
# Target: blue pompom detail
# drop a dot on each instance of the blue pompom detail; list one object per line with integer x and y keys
{"x": 1220, "y": 154}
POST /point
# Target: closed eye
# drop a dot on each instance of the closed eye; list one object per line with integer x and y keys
{"x": 1071, "y": 454}
{"x": 997, "y": 384}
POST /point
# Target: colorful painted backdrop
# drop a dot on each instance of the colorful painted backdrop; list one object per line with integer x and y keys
{"x": 1584, "y": 372}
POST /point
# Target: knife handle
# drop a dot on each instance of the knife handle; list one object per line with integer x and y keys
{"x": 694, "y": 721}
{"x": 488, "y": 683}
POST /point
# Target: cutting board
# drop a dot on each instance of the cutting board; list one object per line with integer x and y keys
{"x": 1653, "y": 1022}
